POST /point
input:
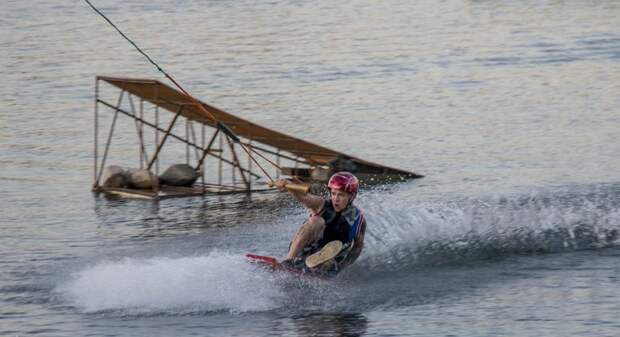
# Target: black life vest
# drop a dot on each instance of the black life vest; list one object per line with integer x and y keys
{"x": 343, "y": 226}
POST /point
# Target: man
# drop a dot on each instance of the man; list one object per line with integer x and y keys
{"x": 332, "y": 219}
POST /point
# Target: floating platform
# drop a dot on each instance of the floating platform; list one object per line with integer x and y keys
{"x": 166, "y": 192}
{"x": 183, "y": 133}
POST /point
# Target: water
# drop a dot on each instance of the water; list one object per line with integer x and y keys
{"x": 508, "y": 108}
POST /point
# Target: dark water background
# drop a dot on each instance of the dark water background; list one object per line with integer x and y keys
{"x": 510, "y": 109}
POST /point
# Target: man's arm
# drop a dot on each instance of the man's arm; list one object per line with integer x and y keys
{"x": 310, "y": 201}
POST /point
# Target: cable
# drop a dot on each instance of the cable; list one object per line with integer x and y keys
{"x": 218, "y": 123}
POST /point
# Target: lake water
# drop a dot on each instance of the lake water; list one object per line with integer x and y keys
{"x": 509, "y": 109}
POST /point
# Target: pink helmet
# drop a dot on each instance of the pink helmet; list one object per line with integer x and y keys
{"x": 344, "y": 181}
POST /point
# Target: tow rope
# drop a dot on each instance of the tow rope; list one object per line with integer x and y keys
{"x": 219, "y": 124}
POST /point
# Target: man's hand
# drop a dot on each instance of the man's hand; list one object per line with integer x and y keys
{"x": 281, "y": 184}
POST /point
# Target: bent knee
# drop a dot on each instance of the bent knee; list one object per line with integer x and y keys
{"x": 315, "y": 225}
{"x": 316, "y": 221}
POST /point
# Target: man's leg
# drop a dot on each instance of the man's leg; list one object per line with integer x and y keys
{"x": 308, "y": 233}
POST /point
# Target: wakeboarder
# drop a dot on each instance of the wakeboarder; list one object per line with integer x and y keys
{"x": 333, "y": 236}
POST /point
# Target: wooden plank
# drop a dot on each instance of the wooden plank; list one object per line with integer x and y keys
{"x": 176, "y": 191}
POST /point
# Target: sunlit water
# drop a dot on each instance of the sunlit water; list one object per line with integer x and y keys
{"x": 510, "y": 110}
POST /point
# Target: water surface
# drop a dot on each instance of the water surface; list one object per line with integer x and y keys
{"x": 510, "y": 110}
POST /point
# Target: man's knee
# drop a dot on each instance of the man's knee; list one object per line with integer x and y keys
{"x": 315, "y": 222}
{"x": 314, "y": 227}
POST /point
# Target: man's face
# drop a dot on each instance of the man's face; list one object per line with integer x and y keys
{"x": 340, "y": 199}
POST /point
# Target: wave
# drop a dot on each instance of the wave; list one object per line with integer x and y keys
{"x": 404, "y": 235}
{"x": 216, "y": 282}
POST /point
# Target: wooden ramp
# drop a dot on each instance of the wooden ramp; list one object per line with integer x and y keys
{"x": 142, "y": 100}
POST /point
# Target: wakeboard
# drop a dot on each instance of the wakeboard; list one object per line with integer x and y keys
{"x": 272, "y": 264}
{"x": 316, "y": 264}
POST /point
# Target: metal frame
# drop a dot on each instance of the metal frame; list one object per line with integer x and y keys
{"x": 210, "y": 182}
{"x": 275, "y": 148}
